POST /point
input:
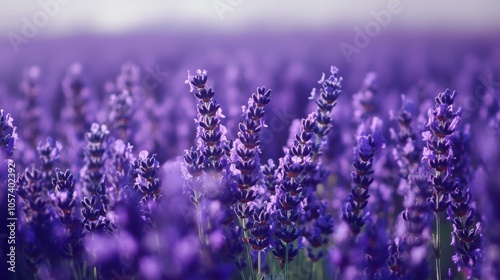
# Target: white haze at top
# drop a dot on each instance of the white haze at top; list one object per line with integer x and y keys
{"x": 123, "y": 16}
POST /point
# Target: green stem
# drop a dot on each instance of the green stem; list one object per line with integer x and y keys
{"x": 286, "y": 261}
{"x": 249, "y": 253}
{"x": 72, "y": 262}
{"x": 95, "y": 273}
{"x": 320, "y": 271}
{"x": 437, "y": 246}
{"x": 199, "y": 217}
{"x": 157, "y": 241}
{"x": 242, "y": 275}
{"x": 313, "y": 270}
{"x": 84, "y": 270}
{"x": 258, "y": 265}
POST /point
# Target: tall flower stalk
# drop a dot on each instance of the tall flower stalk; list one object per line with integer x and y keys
{"x": 247, "y": 173}
{"x": 405, "y": 252}
{"x": 443, "y": 122}
{"x": 466, "y": 235}
{"x": 320, "y": 223}
{"x": 209, "y": 154}
{"x": 290, "y": 194}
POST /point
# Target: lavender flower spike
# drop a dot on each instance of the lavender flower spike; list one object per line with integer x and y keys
{"x": 443, "y": 121}
{"x": 466, "y": 235}
{"x": 362, "y": 178}
{"x": 210, "y": 131}
{"x": 147, "y": 182}
{"x": 95, "y": 157}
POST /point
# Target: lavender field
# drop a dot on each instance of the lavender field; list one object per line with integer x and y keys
{"x": 251, "y": 155}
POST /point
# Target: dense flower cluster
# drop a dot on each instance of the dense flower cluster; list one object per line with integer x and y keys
{"x": 127, "y": 186}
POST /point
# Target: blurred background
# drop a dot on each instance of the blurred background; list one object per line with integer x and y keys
{"x": 285, "y": 45}
{"x": 115, "y": 17}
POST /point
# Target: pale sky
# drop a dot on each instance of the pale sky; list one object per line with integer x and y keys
{"x": 122, "y": 16}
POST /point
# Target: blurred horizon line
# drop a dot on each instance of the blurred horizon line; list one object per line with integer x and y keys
{"x": 59, "y": 18}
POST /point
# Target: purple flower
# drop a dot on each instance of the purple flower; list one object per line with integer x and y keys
{"x": 129, "y": 78}
{"x": 442, "y": 123}
{"x": 120, "y": 162}
{"x": 49, "y": 153}
{"x": 65, "y": 206}
{"x": 36, "y": 219}
{"x": 31, "y": 111}
{"x": 8, "y": 134}
{"x": 79, "y": 104}
{"x": 95, "y": 157}
{"x": 362, "y": 178}
{"x": 121, "y": 110}
{"x": 407, "y": 151}
{"x": 466, "y": 235}
{"x": 210, "y": 131}
{"x": 147, "y": 183}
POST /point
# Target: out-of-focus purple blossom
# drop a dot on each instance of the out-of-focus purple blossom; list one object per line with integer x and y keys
{"x": 374, "y": 242}
{"x": 32, "y": 112}
{"x": 364, "y": 102}
{"x": 49, "y": 153}
{"x": 65, "y": 206}
{"x": 121, "y": 109}
{"x": 466, "y": 235}
{"x": 129, "y": 78}
{"x": 36, "y": 219}
{"x": 407, "y": 151}
{"x": 95, "y": 157}
{"x": 79, "y": 107}
{"x": 409, "y": 250}
{"x": 120, "y": 166}
{"x": 148, "y": 184}
{"x": 269, "y": 176}
{"x": 8, "y": 134}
